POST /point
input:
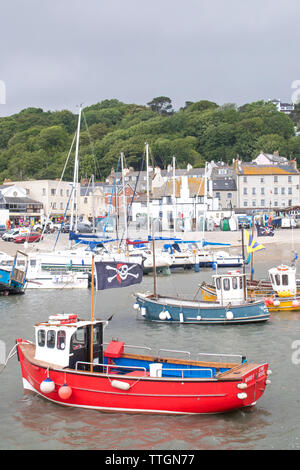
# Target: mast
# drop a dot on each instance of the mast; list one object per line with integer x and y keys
{"x": 244, "y": 269}
{"x": 93, "y": 202}
{"x": 154, "y": 265}
{"x": 75, "y": 177}
{"x": 174, "y": 198}
{"x": 147, "y": 176}
{"x": 124, "y": 196}
{"x": 92, "y": 315}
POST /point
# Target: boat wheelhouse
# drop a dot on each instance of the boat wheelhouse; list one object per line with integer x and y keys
{"x": 285, "y": 287}
{"x": 231, "y": 305}
{"x": 69, "y": 364}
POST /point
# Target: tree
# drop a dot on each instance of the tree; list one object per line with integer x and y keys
{"x": 161, "y": 105}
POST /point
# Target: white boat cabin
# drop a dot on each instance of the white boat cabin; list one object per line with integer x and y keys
{"x": 230, "y": 287}
{"x": 65, "y": 341}
{"x": 283, "y": 280}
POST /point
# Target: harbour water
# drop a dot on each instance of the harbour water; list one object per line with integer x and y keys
{"x": 30, "y": 422}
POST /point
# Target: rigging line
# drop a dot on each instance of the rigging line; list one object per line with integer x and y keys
{"x": 134, "y": 192}
{"x": 98, "y": 172}
{"x": 62, "y": 175}
{"x": 111, "y": 197}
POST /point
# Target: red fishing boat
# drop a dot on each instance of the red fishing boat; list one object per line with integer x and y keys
{"x": 70, "y": 364}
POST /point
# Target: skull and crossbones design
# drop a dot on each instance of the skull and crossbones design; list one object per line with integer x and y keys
{"x": 122, "y": 271}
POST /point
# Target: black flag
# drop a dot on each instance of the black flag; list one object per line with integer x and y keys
{"x": 113, "y": 274}
{"x": 263, "y": 231}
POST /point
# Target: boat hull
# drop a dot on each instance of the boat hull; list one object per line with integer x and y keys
{"x": 175, "y": 310}
{"x": 145, "y": 394}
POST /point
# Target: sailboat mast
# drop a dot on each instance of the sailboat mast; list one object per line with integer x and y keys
{"x": 174, "y": 198}
{"x": 124, "y": 196}
{"x": 75, "y": 178}
{"x": 147, "y": 176}
{"x": 93, "y": 202}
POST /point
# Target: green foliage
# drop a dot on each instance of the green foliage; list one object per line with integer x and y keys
{"x": 35, "y": 144}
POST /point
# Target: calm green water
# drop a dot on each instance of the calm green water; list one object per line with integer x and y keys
{"x": 29, "y": 422}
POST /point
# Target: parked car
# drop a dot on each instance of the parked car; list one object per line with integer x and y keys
{"x": 65, "y": 228}
{"x": 12, "y": 233}
{"x": 84, "y": 228}
{"x": 28, "y": 237}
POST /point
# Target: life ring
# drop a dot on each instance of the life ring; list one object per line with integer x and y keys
{"x": 282, "y": 268}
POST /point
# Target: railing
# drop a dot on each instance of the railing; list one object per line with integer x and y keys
{"x": 109, "y": 366}
{"x": 174, "y": 351}
{"x": 189, "y": 369}
{"x": 218, "y": 355}
{"x": 221, "y": 355}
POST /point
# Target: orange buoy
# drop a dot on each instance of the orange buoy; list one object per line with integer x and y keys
{"x": 64, "y": 392}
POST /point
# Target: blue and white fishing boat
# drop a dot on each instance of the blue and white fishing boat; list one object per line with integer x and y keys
{"x": 231, "y": 306}
{"x": 12, "y": 278}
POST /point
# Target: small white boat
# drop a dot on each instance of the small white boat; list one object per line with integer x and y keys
{"x": 38, "y": 278}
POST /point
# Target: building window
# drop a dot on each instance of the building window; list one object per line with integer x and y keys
{"x": 275, "y": 203}
{"x": 61, "y": 192}
{"x": 262, "y": 202}
{"x": 44, "y": 191}
{"x": 85, "y": 200}
{"x": 290, "y": 202}
{"x": 245, "y": 179}
{"x": 61, "y": 205}
{"x": 253, "y": 190}
{"x": 282, "y": 190}
{"x": 229, "y": 195}
{"x": 245, "y": 203}
{"x": 245, "y": 191}
{"x": 290, "y": 191}
{"x": 262, "y": 191}
{"x": 218, "y": 195}
{"x": 27, "y": 191}
{"x": 275, "y": 179}
{"x": 262, "y": 180}
{"x": 53, "y": 192}
{"x": 253, "y": 203}
{"x": 289, "y": 179}
{"x": 275, "y": 190}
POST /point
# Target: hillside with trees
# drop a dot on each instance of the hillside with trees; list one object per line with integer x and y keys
{"x": 35, "y": 143}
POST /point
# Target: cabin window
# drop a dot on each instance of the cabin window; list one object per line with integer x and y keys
{"x": 61, "y": 339}
{"x": 277, "y": 279}
{"x": 285, "y": 280}
{"x": 218, "y": 283}
{"x": 41, "y": 338}
{"x": 50, "y": 339}
{"x": 78, "y": 338}
{"x": 234, "y": 282}
{"x": 226, "y": 283}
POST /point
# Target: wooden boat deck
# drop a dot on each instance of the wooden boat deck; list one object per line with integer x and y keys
{"x": 237, "y": 372}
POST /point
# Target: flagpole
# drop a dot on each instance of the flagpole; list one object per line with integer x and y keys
{"x": 92, "y": 317}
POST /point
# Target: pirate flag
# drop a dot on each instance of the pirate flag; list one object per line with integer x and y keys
{"x": 263, "y": 231}
{"x": 113, "y": 274}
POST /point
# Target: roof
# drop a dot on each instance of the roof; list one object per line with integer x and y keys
{"x": 21, "y": 200}
{"x": 224, "y": 184}
{"x": 252, "y": 169}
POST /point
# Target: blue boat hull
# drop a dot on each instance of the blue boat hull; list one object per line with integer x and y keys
{"x": 8, "y": 285}
{"x": 175, "y": 310}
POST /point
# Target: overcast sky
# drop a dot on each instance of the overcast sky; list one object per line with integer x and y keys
{"x": 56, "y": 54}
